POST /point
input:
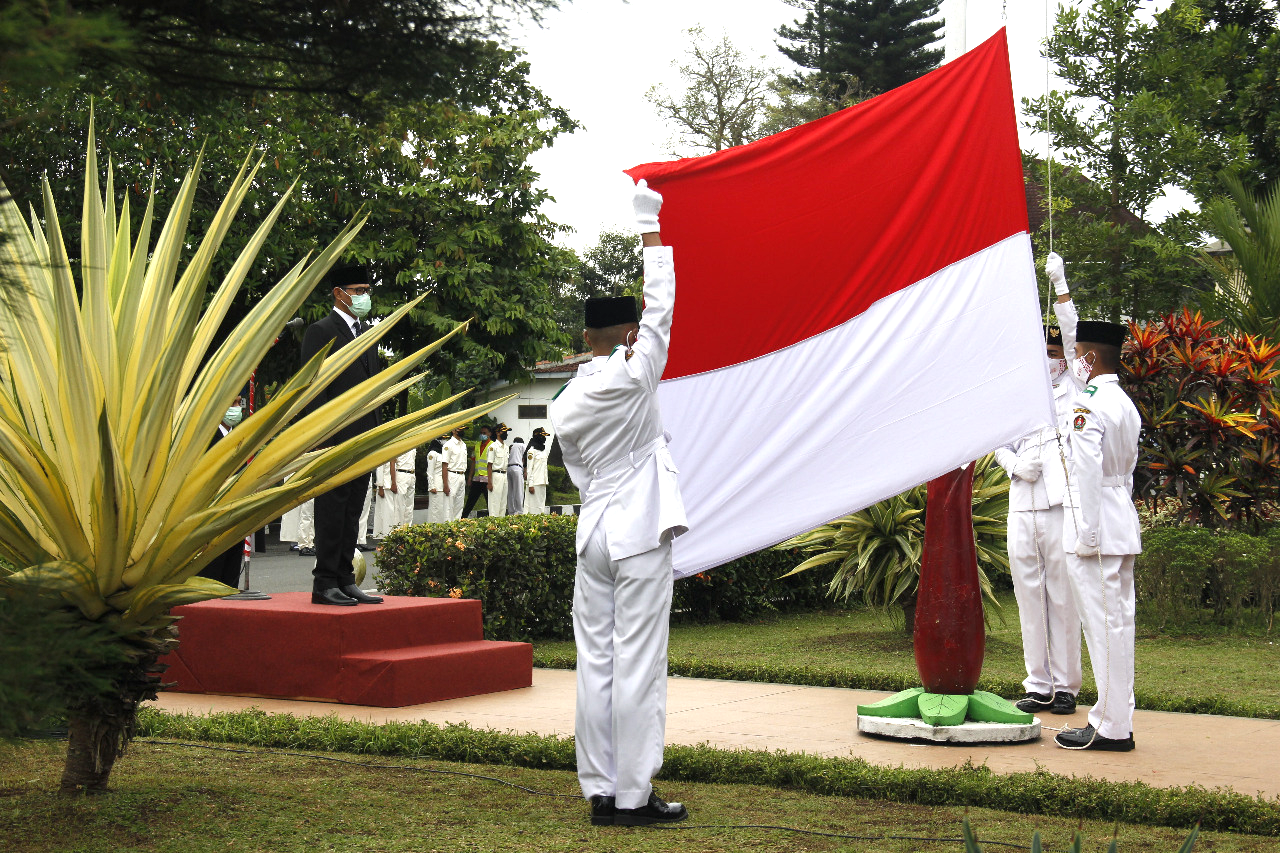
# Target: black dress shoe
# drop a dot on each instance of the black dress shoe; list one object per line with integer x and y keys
{"x": 332, "y": 595}
{"x": 1088, "y": 738}
{"x": 602, "y": 810}
{"x": 1033, "y": 702}
{"x": 1063, "y": 703}
{"x": 306, "y": 552}
{"x": 655, "y": 811}
{"x": 353, "y": 591}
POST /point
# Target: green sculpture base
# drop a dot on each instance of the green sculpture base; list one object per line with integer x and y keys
{"x": 939, "y": 709}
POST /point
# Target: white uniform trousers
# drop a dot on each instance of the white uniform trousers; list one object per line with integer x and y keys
{"x": 362, "y": 532}
{"x": 621, "y": 621}
{"x": 1046, "y": 609}
{"x": 1105, "y": 601}
{"x": 535, "y": 502}
{"x": 299, "y": 525}
{"x": 497, "y": 499}
{"x": 457, "y": 495}
{"x": 438, "y": 506}
{"x": 393, "y": 509}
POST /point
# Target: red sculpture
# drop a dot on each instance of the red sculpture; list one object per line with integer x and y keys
{"x": 949, "y": 636}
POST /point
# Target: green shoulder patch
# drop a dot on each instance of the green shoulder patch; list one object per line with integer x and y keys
{"x": 1090, "y": 390}
{"x": 561, "y": 391}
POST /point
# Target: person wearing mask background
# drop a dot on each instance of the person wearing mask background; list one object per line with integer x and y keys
{"x": 439, "y": 503}
{"x": 337, "y": 511}
{"x": 535, "y": 502}
{"x": 515, "y": 477}
{"x": 226, "y": 567}
{"x": 455, "y": 462}
{"x": 499, "y": 456}
{"x": 479, "y": 485}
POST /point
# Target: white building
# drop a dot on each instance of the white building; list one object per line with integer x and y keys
{"x": 528, "y": 410}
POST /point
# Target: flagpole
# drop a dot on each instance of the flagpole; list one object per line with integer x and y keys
{"x": 958, "y": 44}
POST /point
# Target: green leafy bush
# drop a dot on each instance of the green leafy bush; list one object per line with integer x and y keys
{"x": 1191, "y": 575}
{"x": 522, "y": 569}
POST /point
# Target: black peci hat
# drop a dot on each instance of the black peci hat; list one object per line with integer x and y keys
{"x": 347, "y": 276}
{"x": 601, "y": 312}
{"x": 1053, "y": 335}
{"x": 1098, "y": 332}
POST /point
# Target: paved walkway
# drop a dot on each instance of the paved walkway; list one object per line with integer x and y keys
{"x": 1173, "y": 749}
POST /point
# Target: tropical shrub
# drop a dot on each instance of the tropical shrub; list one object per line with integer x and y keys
{"x": 1210, "y": 444}
{"x": 111, "y": 388}
{"x": 877, "y": 551}
{"x": 522, "y": 568}
{"x": 1247, "y": 295}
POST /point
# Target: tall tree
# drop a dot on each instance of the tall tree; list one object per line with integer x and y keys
{"x": 454, "y": 206}
{"x": 394, "y": 47}
{"x": 614, "y": 266}
{"x": 1125, "y": 143}
{"x": 880, "y": 44}
{"x": 724, "y": 99}
{"x": 1222, "y": 59}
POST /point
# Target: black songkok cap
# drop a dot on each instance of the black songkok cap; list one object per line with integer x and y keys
{"x": 1096, "y": 332}
{"x": 602, "y": 312}
{"x": 347, "y": 276}
{"x": 1053, "y": 335}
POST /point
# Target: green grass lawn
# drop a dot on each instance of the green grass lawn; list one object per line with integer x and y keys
{"x": 1241, "y": 667}
{"x": 176, "y": 798}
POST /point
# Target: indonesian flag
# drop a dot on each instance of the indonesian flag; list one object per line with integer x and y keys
{"x": 856, "y": 309}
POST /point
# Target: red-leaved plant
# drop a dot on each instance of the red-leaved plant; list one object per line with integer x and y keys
{"x": 1210, "y": 442}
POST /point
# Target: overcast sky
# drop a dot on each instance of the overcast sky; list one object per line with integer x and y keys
{"x": 597, "y": 58}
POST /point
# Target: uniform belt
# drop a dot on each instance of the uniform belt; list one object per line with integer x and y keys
{"x": 1115, "y": 480}
{"x": 463, "y": 471}
{"x": 632, "y": 460}
{"x": 405, "y": 470}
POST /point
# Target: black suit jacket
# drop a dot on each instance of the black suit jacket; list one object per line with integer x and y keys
{"x": 334, "y": 328}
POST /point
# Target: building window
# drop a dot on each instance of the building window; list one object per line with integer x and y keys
{"x": 531, "y": 413}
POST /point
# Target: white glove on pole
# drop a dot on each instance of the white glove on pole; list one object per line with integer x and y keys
{"x": 1057, "y": 272}
{"x": 646, "y": 203}
{"x": 1028, "y": 469}
{"x": 1083, "y": 550}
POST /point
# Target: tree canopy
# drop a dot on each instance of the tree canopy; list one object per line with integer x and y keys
{"x": 876, "y": 45}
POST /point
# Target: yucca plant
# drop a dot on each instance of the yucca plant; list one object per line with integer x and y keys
{"x": 111, "y": 388}
{"x": 876, "y": 551}
{"x": 972, "y": 845}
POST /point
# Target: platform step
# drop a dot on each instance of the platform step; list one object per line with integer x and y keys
{"x": 430, "y": 673}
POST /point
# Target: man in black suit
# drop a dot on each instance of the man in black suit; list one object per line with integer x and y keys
{"x": 337, "y": 511}
{"x": 226, "y": 567}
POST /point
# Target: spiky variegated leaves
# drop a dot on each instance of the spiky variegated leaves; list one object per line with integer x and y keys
{"x": 112, "y": 496}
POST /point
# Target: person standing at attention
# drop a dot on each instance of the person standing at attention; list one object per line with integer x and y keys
{"x": 499, "y": 456}
{"x": 535, "y": 502}
{"x": 338, "y": 511}
{"x": 615, "y": 449}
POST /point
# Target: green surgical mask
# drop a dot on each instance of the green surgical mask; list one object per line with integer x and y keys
{"x": 360, "y": 304}
{"x": 233, "y": 416}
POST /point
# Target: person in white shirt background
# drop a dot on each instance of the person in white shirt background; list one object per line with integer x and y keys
{"x": 499, "y": 456}
{"x": 455, "y": 461}
{"x": 535, "y": 501}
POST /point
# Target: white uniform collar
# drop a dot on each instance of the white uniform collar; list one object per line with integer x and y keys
{"x": 1106, "y": 377}
{"x": 595, "y": 365}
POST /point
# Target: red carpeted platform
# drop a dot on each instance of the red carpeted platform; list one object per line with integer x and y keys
{"x": 405, "y": 651}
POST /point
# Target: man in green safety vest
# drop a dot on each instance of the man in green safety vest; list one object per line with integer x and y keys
{"x": 479, "y": 484}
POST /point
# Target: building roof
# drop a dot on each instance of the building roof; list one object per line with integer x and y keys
{"x": 566, "y": 367}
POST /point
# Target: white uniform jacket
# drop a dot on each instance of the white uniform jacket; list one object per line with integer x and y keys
{"x": 611, "y": 432}
{"x": 499, "y": 455}
{"x": 404, "y": 465}
{"x": 536, "y": 473}
{"x": 1050, "y": 489}
{"x": 435, "y": 477}
{"x": 455, "y": 456}
{"x": 1104, "y": 451}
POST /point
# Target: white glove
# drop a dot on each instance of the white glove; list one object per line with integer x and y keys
{"x": 1028, "y": 469}
{"x": 1057, "y": 272}
{"x": 646, "y": 203}
{"x": 1084, "y": 550}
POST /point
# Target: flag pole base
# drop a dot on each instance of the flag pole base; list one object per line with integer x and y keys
{"x": 899, "y": 728}
{"x": 978, "y": 717}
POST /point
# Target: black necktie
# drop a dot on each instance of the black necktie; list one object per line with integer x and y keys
{"x": 359, "y": 328}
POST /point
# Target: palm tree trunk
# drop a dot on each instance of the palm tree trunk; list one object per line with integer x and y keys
{"x": 94, "y": 743}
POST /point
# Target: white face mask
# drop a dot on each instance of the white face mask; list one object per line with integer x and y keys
{"x": 1057, "y": 367}
{"x": 1082, "y": 367}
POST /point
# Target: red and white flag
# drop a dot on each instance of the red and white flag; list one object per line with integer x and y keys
{"x": 856, "y": 309}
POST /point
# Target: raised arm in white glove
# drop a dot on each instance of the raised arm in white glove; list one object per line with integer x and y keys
{"x": 1056, "y": 269}
{"x": 1028, "y": 469}
{"x": 646, "y": 203}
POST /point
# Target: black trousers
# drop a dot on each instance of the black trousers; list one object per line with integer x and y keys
{"x": 474, "y": 492}
{"x": 227, "y": 566}
{"x": 337, "y": 514}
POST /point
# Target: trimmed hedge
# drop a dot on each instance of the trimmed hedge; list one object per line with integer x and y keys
{"x": 522, "y": 569}
{"x": 1038, "y": 792}
{"x": 1188, "y": 576}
